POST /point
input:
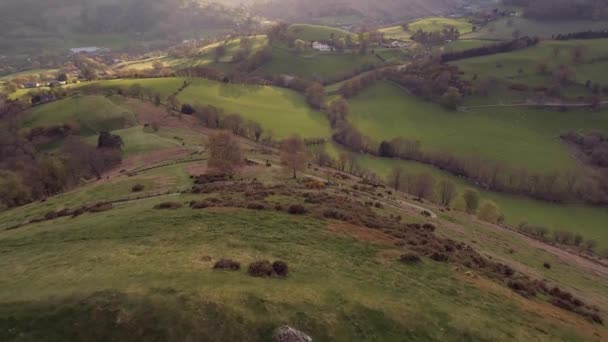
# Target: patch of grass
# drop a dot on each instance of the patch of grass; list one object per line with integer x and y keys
{"x": 282, "y": 111}
{"x": 91, "y": 114}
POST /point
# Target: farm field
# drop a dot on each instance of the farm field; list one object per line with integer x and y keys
{"x": 316, "y": 65}
{"x": 137, "y": 140}
{"x": 438, "y": 23}
{"x": 91, "y": 114}
{"x": 396, "y": 32}
{"x": 316, "y": 32}
{"x": 204, "y": 58}
{"x": 504, "y": 28}
{"x": 522, "y": 65}
{"x": 519, "y": 136}
{"x": 281, "y": 111}
{"x": 162, "y": 86}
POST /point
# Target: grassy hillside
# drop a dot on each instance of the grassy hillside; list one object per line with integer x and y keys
{"x": 438, "y": 23}
{"x": 146, "y": 274}
{"x": 137, "y": 140}
{"x": 522, "y": 65}
{"x": 311, "y": 64}
{"x": 162, "y": 86}
{"x": 205, "y": 56}
{"x": 281, "y": 111}
{"x": 396, "y": 32}
{"x": 517, "y": 136}
{"x": 504, "y": 28}
{"x": 91, "y": 114}
{"x": 317, "y": 32}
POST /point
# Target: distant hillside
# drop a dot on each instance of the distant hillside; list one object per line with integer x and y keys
{"x": 381, "y": 10}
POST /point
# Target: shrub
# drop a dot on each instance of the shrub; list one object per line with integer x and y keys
{"x": 296, "y": 209}
{"x": 227, "y": 264}
{"x": 410, "y": 258}
{"x": 260, "y": 269}
{"x": 255, "y": 206}
{"x": 137, "y": 188}
{"x": 547, "y": 265}
{"x": 429, "y": 226}
{"x": 168, "y": 205}
{"x": 280, "y": 268}
{"x": 439, "y": 257}
{"x": 199, "y": 204}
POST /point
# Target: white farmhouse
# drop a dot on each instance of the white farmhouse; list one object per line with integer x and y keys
{"x": 321, "y": 47}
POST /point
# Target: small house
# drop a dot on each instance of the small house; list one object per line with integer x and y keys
{"x": 321, "y": 47}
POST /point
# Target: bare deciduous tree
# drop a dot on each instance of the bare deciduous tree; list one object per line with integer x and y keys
{"x": 225, "y": 156}
{"x": 294, "y": 154}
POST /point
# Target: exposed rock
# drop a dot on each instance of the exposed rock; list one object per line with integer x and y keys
{"x": 289, "y": 334}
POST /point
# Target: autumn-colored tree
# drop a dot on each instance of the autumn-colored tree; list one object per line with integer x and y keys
{"x": 451, "y": 99}
{"x": 225, "y": 156}
{"x": 315, "y": 94}
{"x": 294, "y": 154}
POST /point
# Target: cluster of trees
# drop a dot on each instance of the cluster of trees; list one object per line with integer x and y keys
{"x": 353, "y": 87}
{"x": 516, "y": 44}
{"x": 431, "y": 38}
{"x": 216, "y": 118}
{"x": 425, "y": 186}
{"x": 593, "y": 144}
{"x": 433, "y": 81}
{"x": 27, "y": 175}
{"x": 226, "y": 157}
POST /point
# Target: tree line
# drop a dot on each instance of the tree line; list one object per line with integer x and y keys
{"x": 582, "y": 35}
{"x": 512, "y": 45}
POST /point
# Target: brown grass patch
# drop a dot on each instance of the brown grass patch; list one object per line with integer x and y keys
{"x": 360, "y": 233}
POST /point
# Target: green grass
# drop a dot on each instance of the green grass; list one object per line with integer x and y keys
{"x": 91, "y": 114}
{"x": 517, "y": 136}
{"x": 281, "y": 111}
{"x": 318, "y": 65}
{"x": 144, "y": 266}
{"x": 396, "y": 32}
{"x": 317, "y": 32}
{"x": 437, "y": 23}
{"x": 501, "y": 29}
